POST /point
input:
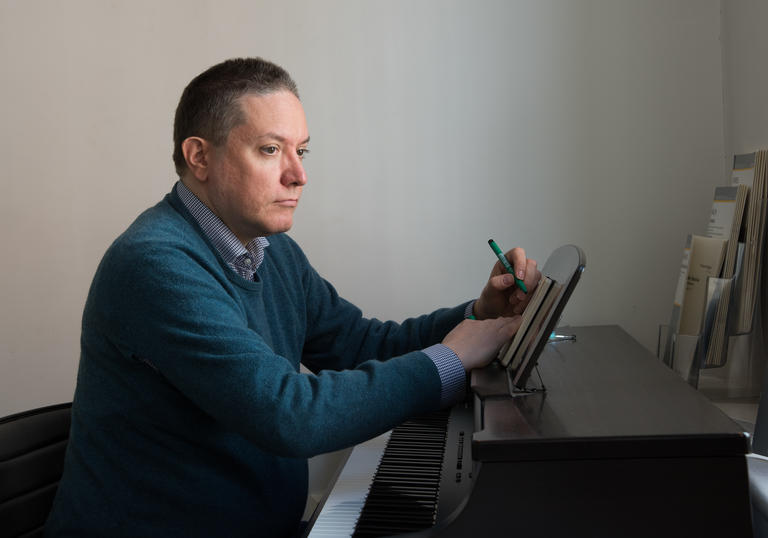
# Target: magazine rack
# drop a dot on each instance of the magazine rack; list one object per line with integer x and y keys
{"x": 740, "y": 372}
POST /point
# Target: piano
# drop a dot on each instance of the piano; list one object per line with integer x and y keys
{"x": 613, "y": 444}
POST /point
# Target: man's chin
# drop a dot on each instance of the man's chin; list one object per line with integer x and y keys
{"x": 278, "y": 229}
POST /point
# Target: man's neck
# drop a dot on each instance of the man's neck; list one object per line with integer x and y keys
{"x": 196, "y": 188}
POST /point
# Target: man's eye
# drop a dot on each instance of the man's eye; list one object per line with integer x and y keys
{"x": 302, "y": 152}
{"x": 269, "y": 150}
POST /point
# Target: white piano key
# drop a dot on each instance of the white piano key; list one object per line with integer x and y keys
{"x": 345, "y": 501}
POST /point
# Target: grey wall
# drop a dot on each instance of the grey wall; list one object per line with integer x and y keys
{"x": 745, "y": 50}
{"x": 435, "y": 125}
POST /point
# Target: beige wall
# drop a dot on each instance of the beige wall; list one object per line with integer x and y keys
{"x": 435, "y": 125}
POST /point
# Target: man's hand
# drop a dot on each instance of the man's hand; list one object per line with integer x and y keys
{"x": 501, "y": 297}
{"x": 477, "y": 343}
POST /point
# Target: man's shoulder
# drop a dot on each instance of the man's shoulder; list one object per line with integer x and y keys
{"x": 161, "y": 222}
{"x": 161, "y": 231}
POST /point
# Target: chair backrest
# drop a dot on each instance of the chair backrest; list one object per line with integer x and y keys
{"x": 32, "y": 446}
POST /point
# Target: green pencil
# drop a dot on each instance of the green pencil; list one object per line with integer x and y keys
{"x": 505, "y": 263}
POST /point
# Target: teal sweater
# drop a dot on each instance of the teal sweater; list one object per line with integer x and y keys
{"x": 190, "y": 416}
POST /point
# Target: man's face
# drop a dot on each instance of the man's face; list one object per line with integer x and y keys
{"x": 254, "y": 180}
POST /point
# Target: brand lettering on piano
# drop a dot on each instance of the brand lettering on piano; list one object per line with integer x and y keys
{"x": 459, "y": 456}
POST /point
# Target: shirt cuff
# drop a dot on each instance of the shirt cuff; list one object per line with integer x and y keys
{"x": 469, "y": 308}
{"x": 453, "y": 378}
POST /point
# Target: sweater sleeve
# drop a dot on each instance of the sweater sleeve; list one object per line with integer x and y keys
{"x": 339, "y": 337}
{"x": 159, "y": 306}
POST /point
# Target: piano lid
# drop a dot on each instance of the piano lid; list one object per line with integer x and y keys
{"x": 606, "y": 397}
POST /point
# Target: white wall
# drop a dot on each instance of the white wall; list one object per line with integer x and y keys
{"x": 435, "y": 125}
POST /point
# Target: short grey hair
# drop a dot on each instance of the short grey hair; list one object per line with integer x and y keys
{"x": 209, "y": 106}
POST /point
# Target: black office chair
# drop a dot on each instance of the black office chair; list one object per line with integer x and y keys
{"x": 32, "y": 446}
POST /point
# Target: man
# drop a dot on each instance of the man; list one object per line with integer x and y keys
{"x": 190, "y": 416}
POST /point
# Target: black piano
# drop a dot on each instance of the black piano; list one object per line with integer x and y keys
{"x": 613, "y": 444}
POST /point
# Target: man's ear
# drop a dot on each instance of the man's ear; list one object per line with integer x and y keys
{"x": 195, "y": 150}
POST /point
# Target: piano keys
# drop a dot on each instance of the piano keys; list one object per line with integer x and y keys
{"x": 342, "y": 509}
{"x": 617, "y": 445}
{"x": 407, "y": 480}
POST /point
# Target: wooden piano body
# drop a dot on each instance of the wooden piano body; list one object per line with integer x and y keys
{"x": 616, "y": 446}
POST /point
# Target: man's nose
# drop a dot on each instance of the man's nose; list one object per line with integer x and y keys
{"x": 294, "y": 173}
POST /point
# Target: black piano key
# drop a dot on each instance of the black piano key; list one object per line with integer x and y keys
{"x": 404, "y": 494}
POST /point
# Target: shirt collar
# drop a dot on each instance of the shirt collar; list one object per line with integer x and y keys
{"x": 242, "y": 259}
